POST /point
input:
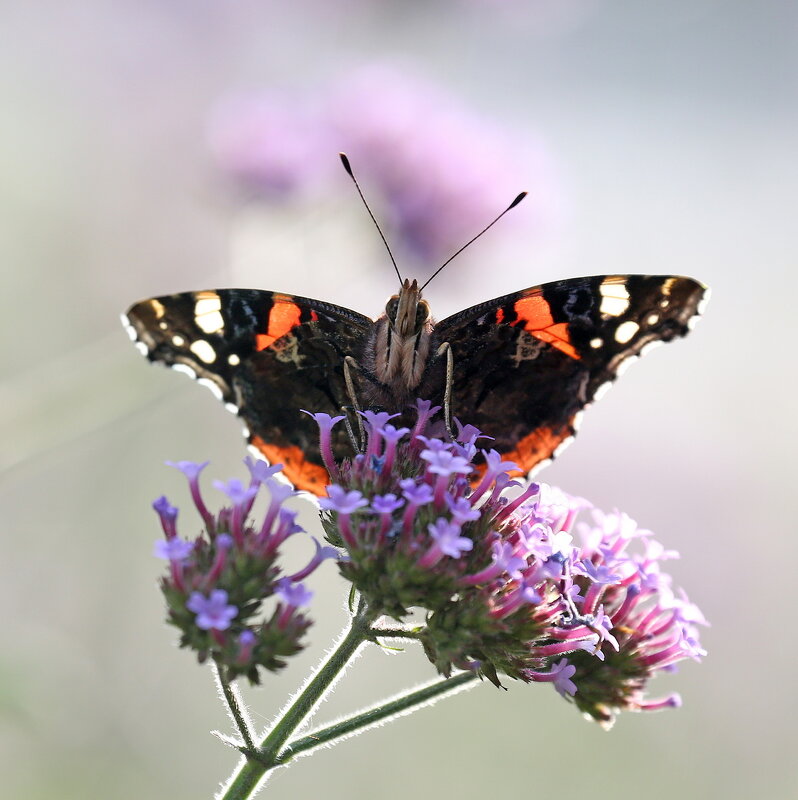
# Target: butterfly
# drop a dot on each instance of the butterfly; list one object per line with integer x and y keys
{"x": 520, "y": 367}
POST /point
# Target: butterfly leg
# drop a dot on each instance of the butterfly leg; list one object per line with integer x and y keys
{"x": 352, "y": 440}
{"x": 349, "y": 364}
{"x": 447, "y": 392}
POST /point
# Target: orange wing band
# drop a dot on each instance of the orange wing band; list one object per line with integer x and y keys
{"x": 282, "y": 318}
{"x": 304, "y": 474}
{"x": 532, "y": 449}
{"x": 535, "y": 313}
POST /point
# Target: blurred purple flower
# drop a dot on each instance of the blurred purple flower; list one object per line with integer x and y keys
{"x": 213, "y": 612}
{"x": 174, "y": 549}
{"x": 269, "y": 142}
{"x": 438, "y": 171}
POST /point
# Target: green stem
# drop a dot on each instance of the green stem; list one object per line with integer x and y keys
{"x": 233, "y": 703}
{"x": 404, "y": 704}
{"x": 250, "y": 773}
{"x": 395, "y": 633}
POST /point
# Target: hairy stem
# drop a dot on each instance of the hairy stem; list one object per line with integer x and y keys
{"x": 376, "y": 715}
{"x": 252, "y": 771}
{"x": 234, "y": 705}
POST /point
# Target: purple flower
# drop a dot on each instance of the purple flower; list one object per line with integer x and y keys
{"x": 503, "y": 560}
{"x": 505, "y": 580}
{"x": 192, "y": 470}
{"x": 560, "y": 675}
{"x": 461, "y": 509}
{"x": 376, "y": 420}
{"x": 321, "y": 554}
{"x": 417, "y": 494}
{"x": 326, "y": 423}
{"x": 342, "y": 501}
{"x": 213, "y": 612}
{"x": 563, "y": 672}
{"x": 246, "y": 644}
{"x": 445, "y": 463}
{"x": 494, "y": 466}
{"x": 468, "y": 434}
{"x": 260, "y": 471}
{"x": 424, "y": 412}
{"x": 293, "y": 594}
{"x": 601, "y": 573}
{"x": 168, "y": 514}
{"x": 219, "y": 582}
{"x": 386, "y": 503}
{"x": 443, "y": 181}
{"x": 270, "y": 143}
{"x": 448, "y": 542}
{"x": 173, "y": 549}
{"x": 391, "y": 436}
{"x": 239, "y": 494}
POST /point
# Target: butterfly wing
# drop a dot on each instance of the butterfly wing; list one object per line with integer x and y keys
{"x": 527, "y": 363}
{"x": 266, "y": 356}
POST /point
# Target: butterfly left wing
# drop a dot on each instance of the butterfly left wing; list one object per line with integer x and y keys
{"x": 526, "y": 364}
{"x": 266, "y": 355}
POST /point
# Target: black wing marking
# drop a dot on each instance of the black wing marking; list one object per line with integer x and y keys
{"x": 265, "y": 354}
{"x": 527, "y": 363}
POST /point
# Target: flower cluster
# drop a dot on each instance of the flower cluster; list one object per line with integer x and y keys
{"x": 218, "y": 581}
{"x": 441, "y": 171}
{"x": 504, "y": 586}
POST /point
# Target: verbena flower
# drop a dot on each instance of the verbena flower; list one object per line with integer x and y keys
{"x": 217, "y": 583}
{"x": 438, "y": 170}
{"x": 505, "y": 587}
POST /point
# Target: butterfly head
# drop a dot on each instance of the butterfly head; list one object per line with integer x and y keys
{"x": 402, "y": 340}
{"x": 407, "y": 313}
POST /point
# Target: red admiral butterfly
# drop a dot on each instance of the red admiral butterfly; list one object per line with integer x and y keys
{"x": 520, "y": 367}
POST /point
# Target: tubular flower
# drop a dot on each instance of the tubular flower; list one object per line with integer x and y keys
{"x": 217, "y": 583}
{"x": 505, "y": 588}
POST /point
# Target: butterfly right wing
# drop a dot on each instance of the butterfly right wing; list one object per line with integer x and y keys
{"x": 266, "y": 355}
{"x": 527, "y": 364}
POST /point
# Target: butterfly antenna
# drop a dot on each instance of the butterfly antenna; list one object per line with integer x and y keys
{"x": 471, "y": 241}
{"x": 348, "y": 168}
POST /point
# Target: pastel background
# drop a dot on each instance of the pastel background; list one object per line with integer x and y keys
{"x": 653, "y": 137}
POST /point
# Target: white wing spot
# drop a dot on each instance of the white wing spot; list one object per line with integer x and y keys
{"x": 185, "y": 369}
{"x": 231, "y": 407}
{"x": 614, "y": 298}
{"x": 233, "y": 360}
{"x": 625, "y": 331}
{"x": 539, "y": 466}
{"x": 129, "y": 329}
{"x": 602, "y": 390}
{"x": 178, "y": 340}
{"x": 213, "y": 387}
{"x": 157, "y": 307}
{"x": 207, "y": 312}
{"x": 203, "y": 351}
{"x": 652, "y": 319}
{"x": 561, "y": 446}
{"x": 624, "y": 365}
{"x": 142, "y": 348}
{"x": 596, "y": 343}
{"x": 162, "y": 325}
{"x": 650, "y": 346}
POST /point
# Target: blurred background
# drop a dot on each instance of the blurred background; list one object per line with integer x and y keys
{"x": 148, "y": 147}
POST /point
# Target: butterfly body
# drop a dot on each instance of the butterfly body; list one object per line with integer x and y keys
{"x": 523, "y": 365}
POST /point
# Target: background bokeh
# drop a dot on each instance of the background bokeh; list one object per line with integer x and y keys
{"x": 654, "y": 137}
